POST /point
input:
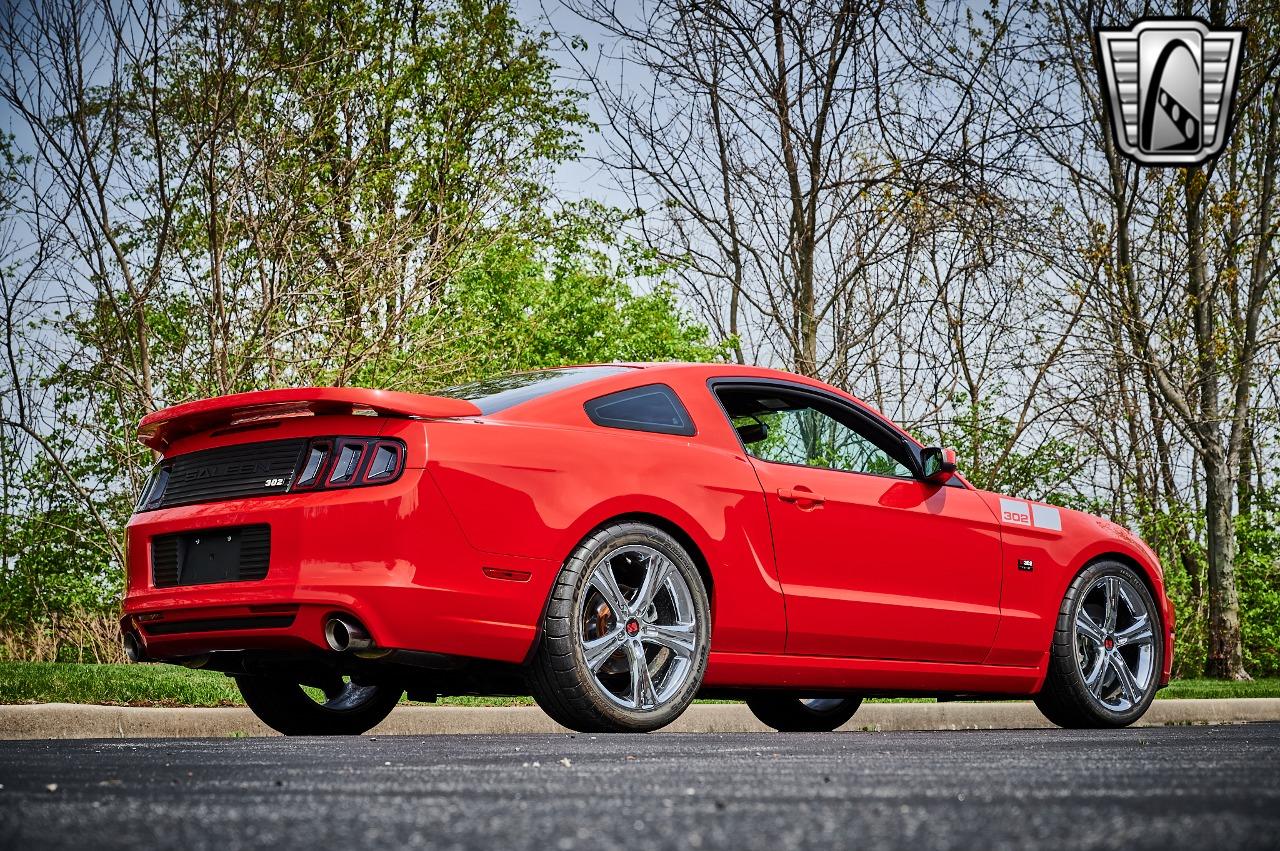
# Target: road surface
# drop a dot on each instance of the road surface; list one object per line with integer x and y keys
{"x": 1173, "y": 787}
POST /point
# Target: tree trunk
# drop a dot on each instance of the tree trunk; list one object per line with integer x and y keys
{"x": 1225, "y": 659}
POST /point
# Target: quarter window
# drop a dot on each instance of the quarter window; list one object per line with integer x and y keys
{"x": 654, "y": 407}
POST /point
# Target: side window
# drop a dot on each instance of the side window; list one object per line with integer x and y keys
{"x": 654, "y": 407}
{"x": 795, "y": 428}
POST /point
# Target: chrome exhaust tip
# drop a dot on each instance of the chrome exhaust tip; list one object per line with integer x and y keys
{"x": 343, "y": 634}
{"x": 133, "y": 649}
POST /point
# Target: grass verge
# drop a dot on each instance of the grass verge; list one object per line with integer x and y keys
{"x": 144, "y": 685}
{"x": 1203, "y": 689}
{"x": 172, "y": 685}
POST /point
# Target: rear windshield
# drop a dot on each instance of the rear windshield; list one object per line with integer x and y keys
{"x": 498, "y": 394}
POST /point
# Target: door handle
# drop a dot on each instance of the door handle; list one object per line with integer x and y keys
{"x": 801, "y": 494}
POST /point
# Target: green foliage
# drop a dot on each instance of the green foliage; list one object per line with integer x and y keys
{"x": 53, "y": 557}
{"x": 987, "y": 449}
{"x": 1258, "y": 580}
{"x": 524, "y": 303}
{"x": 1177, "y": 535}
{"x": 332, "y": 193}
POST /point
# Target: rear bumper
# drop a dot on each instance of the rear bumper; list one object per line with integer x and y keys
{"x": 390, "y": 556}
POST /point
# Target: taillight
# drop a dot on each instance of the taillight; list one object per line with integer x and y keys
{"x": 386, "y": 463}
{"x": 317, "y": 455}
{"x": 153, "y": 489}
{"x": 341, "y": 462}
{"x": 347, "y": 463}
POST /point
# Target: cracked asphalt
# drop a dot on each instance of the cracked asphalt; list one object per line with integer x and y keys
{"x": 1171, "y": 787}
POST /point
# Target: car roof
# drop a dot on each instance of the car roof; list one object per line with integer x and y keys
{"x": 644, "y": 372}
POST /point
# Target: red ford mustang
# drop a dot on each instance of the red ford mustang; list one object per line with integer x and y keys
{"x": 618, "y": 540}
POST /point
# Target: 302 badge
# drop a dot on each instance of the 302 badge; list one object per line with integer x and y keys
{"x": 1018, "y": 512}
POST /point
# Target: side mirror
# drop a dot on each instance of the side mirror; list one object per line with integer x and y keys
{"x": 937, "y": 464}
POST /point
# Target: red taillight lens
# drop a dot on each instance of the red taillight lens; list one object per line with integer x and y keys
{"x": 317, "y": 457}
{"x": 346, "y": 463}
{"x": 386, "y": 462}
{"x": 153, "y": 490}
{"x": 341, "y": 462}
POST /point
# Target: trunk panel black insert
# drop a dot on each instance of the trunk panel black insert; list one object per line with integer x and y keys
{"x": 231, "y": 472}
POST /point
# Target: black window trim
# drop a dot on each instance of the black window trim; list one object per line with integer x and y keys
{"x": 690, "y": 429}
{"x": 857, "y": 411}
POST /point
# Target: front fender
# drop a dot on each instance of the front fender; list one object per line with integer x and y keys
{"x": 1040, "y": 561}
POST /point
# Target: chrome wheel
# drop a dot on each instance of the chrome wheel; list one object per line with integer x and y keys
{"x": 822, "y": 704}
{"x": 1115, "y": 643}
{"x": 638, "y": 628}
{"x": 341, "y": 694}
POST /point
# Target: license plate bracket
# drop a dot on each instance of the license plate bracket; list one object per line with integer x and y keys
{"x": 209, "y": 556}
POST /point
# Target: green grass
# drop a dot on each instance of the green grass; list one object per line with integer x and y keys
{"x": 1220, "y": 688}
{"x": 144, "y": 685}
{"x": 127, "y": 685}
{"x": 171, "y": 685}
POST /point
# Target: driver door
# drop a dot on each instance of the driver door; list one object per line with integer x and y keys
{"x": 874, "y": 563}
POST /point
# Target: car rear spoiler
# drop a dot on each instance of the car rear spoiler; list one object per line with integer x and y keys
{"x": 160, "y": 429}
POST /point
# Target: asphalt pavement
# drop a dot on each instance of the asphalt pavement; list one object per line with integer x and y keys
{"x": 1172, "y": 787}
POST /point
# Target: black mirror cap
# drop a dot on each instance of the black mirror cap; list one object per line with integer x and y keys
{"x": 937, "y": 463}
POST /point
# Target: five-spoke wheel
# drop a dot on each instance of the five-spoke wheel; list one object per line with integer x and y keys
{"x": 1106, "y": 657}
{"x": 325, "y": 705}
{"x": 638, "y": 645}
{"x": 1115, "y": 644}
{"x": 625, "y": 638}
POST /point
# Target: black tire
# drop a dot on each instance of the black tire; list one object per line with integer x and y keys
{"x": 1066, "y": 698}
{"x": 284, "y": 707}
{"x": 789, "y": 714}
{"x": 559, "y": 677}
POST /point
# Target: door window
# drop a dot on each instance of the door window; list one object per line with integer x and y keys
{"x": 793, "y": 427}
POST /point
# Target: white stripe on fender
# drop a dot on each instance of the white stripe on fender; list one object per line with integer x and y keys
{"x": 1018, "y": 513}
{"x": 1046, "y": 517}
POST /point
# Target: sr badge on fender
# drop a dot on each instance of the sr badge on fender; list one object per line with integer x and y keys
{"x": 1170, "y": 84}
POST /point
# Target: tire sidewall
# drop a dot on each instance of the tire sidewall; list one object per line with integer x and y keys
{"x": 632, "y": 534}
{"x": 1103, "y": 714}
{"x": 789, "y": 714}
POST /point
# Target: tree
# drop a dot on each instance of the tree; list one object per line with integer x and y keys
{"x": 922, "y": 203}
{"x": 1189, "y": 287}
{"x": 213, "y": 196}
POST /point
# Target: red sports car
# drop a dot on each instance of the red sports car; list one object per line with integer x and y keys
{"x": 617, "y": 540}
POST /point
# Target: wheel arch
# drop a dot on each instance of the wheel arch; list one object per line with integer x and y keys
{"x": 673, "y": 529}
{"x": 1133, "y": 564}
